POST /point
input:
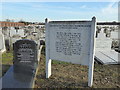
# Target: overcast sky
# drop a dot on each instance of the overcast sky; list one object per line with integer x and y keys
{"x": 38, "y": 11}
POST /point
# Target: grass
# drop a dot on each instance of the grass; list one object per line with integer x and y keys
{"x": 59, "y": 62}
{"x": 76, "y": 76}
{"x": 7, "y": 61}
{"x": 7, "y": 58}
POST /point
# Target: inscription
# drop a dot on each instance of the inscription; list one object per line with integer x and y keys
{"x": 69, "y": 26}
{"x": 68, "y": 43}
{"x": 25, "y": 53}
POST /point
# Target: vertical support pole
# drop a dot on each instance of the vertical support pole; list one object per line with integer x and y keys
{"x": 119, "y": 37}
{"x": 92, "y": 53}
{"x": 47, "y": 44}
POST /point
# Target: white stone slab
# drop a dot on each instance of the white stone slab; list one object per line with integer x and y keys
{"x": 107, "y": 57}
{"x": 114, "y": 35}
{"x": 103, "y": 44}
{"x": 113, "y": 55}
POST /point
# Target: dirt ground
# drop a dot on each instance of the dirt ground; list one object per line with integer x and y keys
{"x": 67, "y": 75}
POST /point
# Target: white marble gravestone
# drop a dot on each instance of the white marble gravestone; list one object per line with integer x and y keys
{"x": 101, "y": 35}
{"x": 70, "y": 41}
{"x": 114, "y": 35}
{"x": 2, "y": 42}
{"x": 103, "y": 42}
{"x": 14, "y": 31}
{"x": 15, "y": 38}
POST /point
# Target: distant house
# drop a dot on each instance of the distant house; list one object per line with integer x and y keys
{"x": 11, "y": 24}
{"x": 10, "y": 29}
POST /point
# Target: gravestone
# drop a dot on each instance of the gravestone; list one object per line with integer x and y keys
{"x": 71, "y": 41}
{"x": 2, "y": 42}
{"x": 25, "y": 61}
{"x": 115, "y": 35}
{"x": 103, "y": 42}
{"x": 15, "y": 38}
{"x": 101, "y": 34}
{"x": 7, "y": 44}
{"x": 25, "y": 55}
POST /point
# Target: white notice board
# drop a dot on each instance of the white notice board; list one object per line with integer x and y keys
{"x": 70, "y": 41}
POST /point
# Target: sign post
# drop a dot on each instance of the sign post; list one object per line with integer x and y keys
{"x": 48, "y": 60}
{"x": 92, "y": 49}
{"x": 71, "y": 41}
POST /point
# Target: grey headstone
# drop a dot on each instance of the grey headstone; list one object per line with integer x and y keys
{"x": 25, "y": 56}
{"x": 22, "y": 73}
{"x": 7, "y": 44}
